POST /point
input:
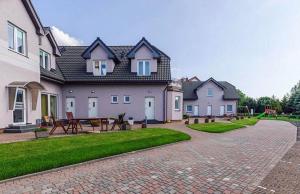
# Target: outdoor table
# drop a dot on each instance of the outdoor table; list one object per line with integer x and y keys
{"x": 77, "y": 122}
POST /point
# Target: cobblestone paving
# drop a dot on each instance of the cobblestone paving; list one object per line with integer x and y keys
{"x": 285, "y": 176}
{"x": 233, "y": 162}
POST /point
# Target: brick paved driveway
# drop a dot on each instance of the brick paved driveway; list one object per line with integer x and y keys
{"x": 233, "y": 162}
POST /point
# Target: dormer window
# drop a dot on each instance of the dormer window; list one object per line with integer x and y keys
{"x": 143, "y": 68}
{"x": 44, "y": 59}
{"x": 100, "y": 68}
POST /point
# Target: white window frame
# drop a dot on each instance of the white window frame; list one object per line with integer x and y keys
{"x": 98, "y": 72}
{"x": 44, "y": 59}
{"x": 49, "y": 103}
{"x": 186, "y": 110}
{"x": 15, "y": 39}
{"x": 231, "y": 108}
{"x": 112, "y": 99}
{"x": 208, "y": 94}
{"x": 103, "y": 62}
{"x": 144, "y": 68}
{"x": 24, "y": 106}
{"x": 177, "y": 98}
{"x": 127, "y": 102}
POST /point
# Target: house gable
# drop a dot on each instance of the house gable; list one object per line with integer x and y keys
{"x": 143, "y": 51}
{"x": 99, "y": 43}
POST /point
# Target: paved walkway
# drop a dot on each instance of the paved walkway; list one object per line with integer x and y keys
{"x": 233, "y": 162}
{"x": 285, "y": 176}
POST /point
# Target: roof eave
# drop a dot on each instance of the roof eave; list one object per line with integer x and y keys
{"x": 34, "y": 17}
{"x": 48, "y": 78}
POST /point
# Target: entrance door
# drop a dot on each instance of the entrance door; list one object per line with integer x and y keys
{"x": 93, "y": 106}
{"x": 196, "y": 110}
{"x": 70, "y": 105}
{"x": 222, "y": 110}
{"x": 209, "y": 110}
{"x": 19, "y": 113}
{"x": 149, "y": 108}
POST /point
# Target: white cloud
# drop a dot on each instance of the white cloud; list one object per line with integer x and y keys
{"x": 64, "y": 39}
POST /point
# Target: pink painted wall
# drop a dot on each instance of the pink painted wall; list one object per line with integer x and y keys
{"x": 137, "y": 94}
{"x": 17, "y": 67}
{"x": 173, "y": 114}
{"x": 8, "y": 74}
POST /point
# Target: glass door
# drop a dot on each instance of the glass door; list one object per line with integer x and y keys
{"x": 44, "y": 105}
{"x": 19, "y": 113}
{"x": 53, "y": 106}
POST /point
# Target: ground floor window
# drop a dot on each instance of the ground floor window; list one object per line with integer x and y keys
{"x": 229, "y": 108}
{"x": 189, "y": 108}
{"x": 177, "y": 102}
{"x": 49, "y": 105}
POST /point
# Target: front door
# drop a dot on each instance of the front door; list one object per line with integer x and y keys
{"x": 209, "y": 110}
{"x": 222, "y": 110}
{"x": 196, "y": 110}
{"x": 93, "y": 106}
{"x": 149, "y": 108}
{"x": 19, "y": 113}
{"x": 70, "y": 105}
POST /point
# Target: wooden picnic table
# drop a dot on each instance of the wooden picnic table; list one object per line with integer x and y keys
{"x": 77, "y": 123}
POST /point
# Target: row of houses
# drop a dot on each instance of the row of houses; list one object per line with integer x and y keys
{"x": 38, "y": 77}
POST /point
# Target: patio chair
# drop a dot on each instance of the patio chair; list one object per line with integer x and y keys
{"x": 119, "y": 122}
{"x": 72, "y": 124}
{"x": 56, "y": 124}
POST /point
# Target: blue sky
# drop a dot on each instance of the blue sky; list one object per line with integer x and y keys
{"x": 254, "y": 44}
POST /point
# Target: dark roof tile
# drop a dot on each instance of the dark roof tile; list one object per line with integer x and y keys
{"x": 189, "y": 90}
{"x": 73, "y": 67}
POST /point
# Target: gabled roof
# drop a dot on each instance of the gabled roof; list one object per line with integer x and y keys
{"x": 154, "y": 51}
{"x": 34, "y": 17}
{"x": 211, "y": 80}
{"x": 195, "y": 78}
{"x": 73, "y": 67}
{"x": 53, "y": 43}
{"x": 190, "y": 87}
{"x": 98, "y": 42}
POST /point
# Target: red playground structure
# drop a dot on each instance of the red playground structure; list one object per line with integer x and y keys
{"x": 269, "y": 110}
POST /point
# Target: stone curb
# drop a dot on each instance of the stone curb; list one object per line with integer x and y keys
{"x": 87, "y": 162}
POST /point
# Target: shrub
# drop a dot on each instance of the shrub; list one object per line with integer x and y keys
{"x": 206, "y": 120}
{"x": 213, "y": 120}
{"x": 237, "y": 118}
{"x": 196, "y": 121}
{"x": 242, "y": 117}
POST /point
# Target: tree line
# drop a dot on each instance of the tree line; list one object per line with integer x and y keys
{"x": 289, "y": 104}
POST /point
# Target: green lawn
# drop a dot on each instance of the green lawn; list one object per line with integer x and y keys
{"x": 33, "y": 156}
{"x": 246, "y": 121}
{"x": 280, "y": 118}
{"x": 216, "y": 127}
